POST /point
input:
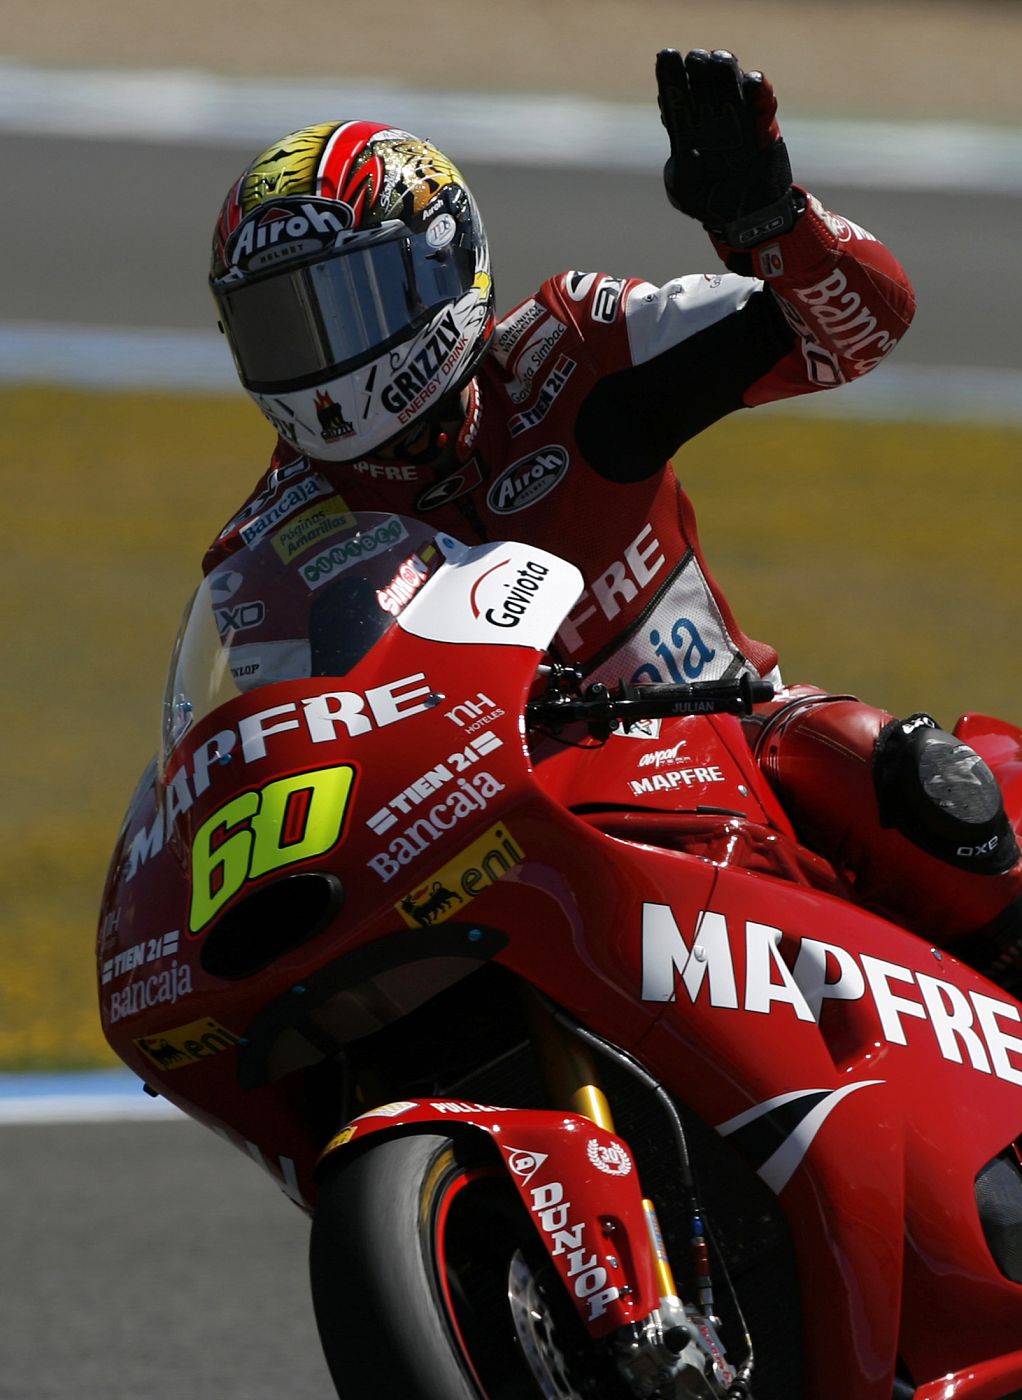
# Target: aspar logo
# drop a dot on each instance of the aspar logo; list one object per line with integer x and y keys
{"x": 528, "y": 480}
{"x": 964, "y": 1027}
{"x": 586, "y": 1274}
{"x": 289, "y": 228}
{"x": 659, "y": 758}
{"x": 324, "y": 718}
{"x": 517, "y": 593}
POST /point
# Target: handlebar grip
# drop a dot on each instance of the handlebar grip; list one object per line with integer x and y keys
{"x": 601, "y": 708}
{"x": 742, "y": 692}
{"x": 760, "y": 691}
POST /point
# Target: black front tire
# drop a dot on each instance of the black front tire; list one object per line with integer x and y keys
{"x": 417, "y": 1242}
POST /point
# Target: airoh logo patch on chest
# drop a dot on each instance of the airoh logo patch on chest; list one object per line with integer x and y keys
{"x": 528, "y": 480}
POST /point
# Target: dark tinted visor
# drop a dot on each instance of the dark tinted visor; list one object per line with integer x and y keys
{"x": 292, "y": 326}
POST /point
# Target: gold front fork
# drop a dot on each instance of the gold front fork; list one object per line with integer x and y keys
{"x": 572, "y": 1080}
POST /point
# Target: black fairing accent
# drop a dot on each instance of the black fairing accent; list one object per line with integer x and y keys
{"x": 999, "y": 1199}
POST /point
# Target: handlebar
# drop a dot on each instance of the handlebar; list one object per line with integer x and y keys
{"x": 601, "y": 708}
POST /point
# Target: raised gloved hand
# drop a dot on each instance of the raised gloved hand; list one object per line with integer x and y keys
{"x": 728, "y": 165}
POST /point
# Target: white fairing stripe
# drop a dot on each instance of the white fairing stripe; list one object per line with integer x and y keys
{"x": 661, "y": 317}
{"x": 503, "y": 594}
{"x": 779, "y": 1168}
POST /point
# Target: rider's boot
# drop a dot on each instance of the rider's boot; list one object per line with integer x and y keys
{"x": 909, "y": 815}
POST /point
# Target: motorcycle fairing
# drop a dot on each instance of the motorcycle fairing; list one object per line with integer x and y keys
{"x": 880, "y": 1204}
{"x": 999, "y": 1379}
{"x": 577, "y": 1182}
{"x": 850, "y": 1038}
{"x": 1000, "y": 744}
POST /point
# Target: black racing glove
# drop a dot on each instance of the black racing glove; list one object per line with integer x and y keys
{"x": 728, "y": 165}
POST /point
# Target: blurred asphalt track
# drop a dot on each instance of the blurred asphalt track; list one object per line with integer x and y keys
{"x": 149, "y": 1261}
{"x": 146, "y": 1258}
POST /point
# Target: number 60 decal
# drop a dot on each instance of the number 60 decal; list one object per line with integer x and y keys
{"x": 288, "y": 820}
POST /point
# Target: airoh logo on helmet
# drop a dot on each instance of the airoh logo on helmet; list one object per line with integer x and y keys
{"x": 287, "y": 228}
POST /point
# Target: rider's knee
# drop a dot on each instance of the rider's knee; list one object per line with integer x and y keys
{"x": 941, "y": 795}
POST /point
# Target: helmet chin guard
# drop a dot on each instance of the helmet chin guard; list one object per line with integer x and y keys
{"x": 357, "y": 412}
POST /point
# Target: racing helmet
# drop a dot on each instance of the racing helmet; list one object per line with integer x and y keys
{"x": 351, "y": 274}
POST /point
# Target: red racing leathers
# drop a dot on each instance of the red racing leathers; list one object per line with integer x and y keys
{"x": 590, "y": 387}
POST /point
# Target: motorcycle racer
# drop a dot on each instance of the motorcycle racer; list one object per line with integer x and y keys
{"x": 352, "y": 278}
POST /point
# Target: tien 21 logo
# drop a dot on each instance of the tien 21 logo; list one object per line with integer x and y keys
{"x": 286, "y": 821}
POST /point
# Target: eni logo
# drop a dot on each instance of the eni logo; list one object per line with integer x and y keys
{"x": 288, "y": 820}
{"x": 185, "y": 1045}
{"x": 470, "y": 872}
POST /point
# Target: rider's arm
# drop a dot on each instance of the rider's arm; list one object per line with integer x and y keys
{"x": 811, "y": 301}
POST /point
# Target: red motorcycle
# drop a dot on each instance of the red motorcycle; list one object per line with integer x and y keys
{"x": 590, "y": 1077}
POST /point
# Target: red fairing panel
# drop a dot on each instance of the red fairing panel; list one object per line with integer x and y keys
{"x": 879, "y": 1042}
{"x": 987, "y": 1380}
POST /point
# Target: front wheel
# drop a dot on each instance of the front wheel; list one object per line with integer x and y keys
{"x": 430, "y": 1283}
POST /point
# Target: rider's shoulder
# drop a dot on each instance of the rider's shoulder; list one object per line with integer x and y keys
{"x": 570, "y": 306}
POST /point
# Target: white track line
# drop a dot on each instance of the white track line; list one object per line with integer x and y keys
{"x": 181, "y": 361}
{"x": 194, "y": 107}
{"x": 88, "y": 1096}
